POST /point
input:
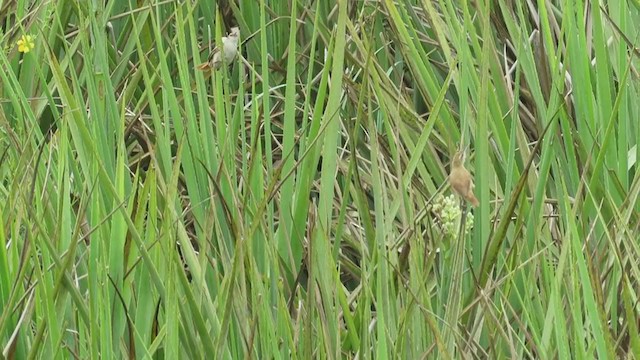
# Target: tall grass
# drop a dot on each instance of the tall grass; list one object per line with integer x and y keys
{"x": 295, "y": 204}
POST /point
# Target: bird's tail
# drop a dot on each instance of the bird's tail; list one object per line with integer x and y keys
{"x": 472, "y": 199}
{"x": 204, "y": 66}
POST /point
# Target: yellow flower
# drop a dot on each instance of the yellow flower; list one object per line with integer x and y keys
{"x": 26, "y": 44}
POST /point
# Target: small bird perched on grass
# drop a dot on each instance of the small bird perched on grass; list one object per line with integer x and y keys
{"x": 224, "y": 54}
{"x": 461, "y": 180}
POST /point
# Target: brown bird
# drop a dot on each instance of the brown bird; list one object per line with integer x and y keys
{"x": 223, "y": 54}
{"x": 461, "y": 180}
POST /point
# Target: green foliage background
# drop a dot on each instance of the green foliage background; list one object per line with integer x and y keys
{"x": 284, "y": 207}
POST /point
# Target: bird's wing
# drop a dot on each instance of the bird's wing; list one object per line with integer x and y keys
{"x": 210, "y": 60}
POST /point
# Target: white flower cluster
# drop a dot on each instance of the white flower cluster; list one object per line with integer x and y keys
{"x": 447, "y": 211}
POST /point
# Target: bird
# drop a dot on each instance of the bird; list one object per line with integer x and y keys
{"x": 227, "y": 55}
{"x": 461, "y": 180}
